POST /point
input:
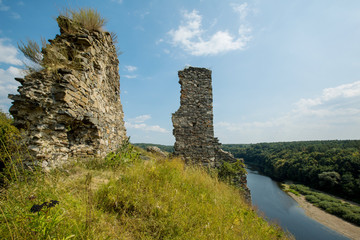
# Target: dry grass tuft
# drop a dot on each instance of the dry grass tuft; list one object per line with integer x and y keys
{"x": 88, "y": 18}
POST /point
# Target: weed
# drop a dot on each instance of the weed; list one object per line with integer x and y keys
{"x": 85, "y": 17}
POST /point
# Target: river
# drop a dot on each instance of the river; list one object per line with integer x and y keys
{"x": 279, "y": 207}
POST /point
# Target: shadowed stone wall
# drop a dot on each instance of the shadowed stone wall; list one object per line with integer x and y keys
{"x": 72, "y": 108}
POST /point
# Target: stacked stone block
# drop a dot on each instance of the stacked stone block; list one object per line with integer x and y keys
{"x": 193, "y": 121}
{"x": 71, "y": 108}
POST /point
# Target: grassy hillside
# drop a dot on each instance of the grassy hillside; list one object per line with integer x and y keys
{"x": 124, "y": 197}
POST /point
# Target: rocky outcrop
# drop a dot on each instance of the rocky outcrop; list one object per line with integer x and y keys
{"x": 156, "y": 150}
{"x": 72, "y": 108}
{"x": 193, "y": 123}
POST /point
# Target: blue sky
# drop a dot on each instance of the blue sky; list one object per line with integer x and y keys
{"x": 282, "y": 70}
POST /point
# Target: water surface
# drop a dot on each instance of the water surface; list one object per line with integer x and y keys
{"x": 279, "y": 207}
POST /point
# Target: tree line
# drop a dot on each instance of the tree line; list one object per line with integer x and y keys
{"x": 331, "y": 166}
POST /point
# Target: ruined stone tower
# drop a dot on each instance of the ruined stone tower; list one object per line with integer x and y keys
{"x": 193, "y": 125}
{"x": 193, "y": 121}
{"x": 72, "y": 108}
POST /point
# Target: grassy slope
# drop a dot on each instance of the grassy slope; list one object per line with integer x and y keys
{"x": 135, "y": 199}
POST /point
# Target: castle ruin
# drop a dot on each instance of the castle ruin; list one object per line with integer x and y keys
{"x": 71, "y": 107}
{"x": 193, "y": 123}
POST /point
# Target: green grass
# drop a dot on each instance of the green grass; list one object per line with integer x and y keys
{"x": 124, "y": 197}
{"x": 332, "y": 205}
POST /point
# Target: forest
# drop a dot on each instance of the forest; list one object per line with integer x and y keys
{"x": 330, "y": 166}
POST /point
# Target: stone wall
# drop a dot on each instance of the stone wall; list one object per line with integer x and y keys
{"x": 193, "y": 122}
{"x": 72, "y": 108}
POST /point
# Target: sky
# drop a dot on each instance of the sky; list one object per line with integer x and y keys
{"x": 281, "y": 70}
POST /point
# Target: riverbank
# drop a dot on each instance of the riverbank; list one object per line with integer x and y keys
{"x": 337, "y": 224}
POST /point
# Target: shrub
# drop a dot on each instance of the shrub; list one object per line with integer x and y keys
{"x": 352, "y": 217}
{"x": 8, "y": 136}
{"x": 125, "y": 155}
{"x": 338, "y": 210}
{"x": 11, "y": 150}
{"x": 312, "y": 199}
{"x": 325, "y": 205}
{"x": 230, "y": 171}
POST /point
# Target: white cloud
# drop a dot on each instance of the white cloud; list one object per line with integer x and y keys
{"x": 340, "y": 100}
{"x": 143, "y": 126}
{"x": 244, "y": 30}
{"x": 129, "y": 76}
{"x": 159, "y": 41}
{"x": 190, "y": 36}
{"x": 335, "y": 114}
{"x": 242, "y": 9}
{"x": 8, "y": 53}
{"x": 140, "y": 119}
{"x": 15, "y": 15}
{"x": 130, "y": 68}
{"x": 139, "y": 123}
{"x": 3, "y": 7}
{"x": 8, "y": 85}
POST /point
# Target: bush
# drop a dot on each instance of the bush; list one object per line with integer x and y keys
{"x": 352, "y": 217}
{"x": 230, "y": 171}
{"x": 10, "y": 149}
{"x": 125, "y": 155}
{"x": 325, "y": 205}
{"x": 312, "y": 199}
{"x": 338, "y": 210}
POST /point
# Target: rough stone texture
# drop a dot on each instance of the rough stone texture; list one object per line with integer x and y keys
{"x": 72, "y": 107}
{"x": 193, "y": 122}
{"x": 156, "y": 150}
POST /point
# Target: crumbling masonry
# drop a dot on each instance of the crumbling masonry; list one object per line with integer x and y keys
{"x": 193, "y": 122}
{"x": 72, "y": 108}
